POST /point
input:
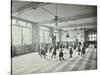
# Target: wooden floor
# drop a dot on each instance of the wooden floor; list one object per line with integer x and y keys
{"x": 32, "y": 63}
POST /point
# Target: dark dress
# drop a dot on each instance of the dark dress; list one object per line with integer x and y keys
{"x": 79, "y": 50}
{"x": 54, "y": 52}
{"x": 83, "y": 50}
{"x": 60, "y": 54}
{"x": 70, "y": 52}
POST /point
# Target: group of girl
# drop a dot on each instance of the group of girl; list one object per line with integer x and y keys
{"x": 53, "y": 50}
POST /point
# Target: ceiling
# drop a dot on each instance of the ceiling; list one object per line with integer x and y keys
{"x": 67, "y": 13}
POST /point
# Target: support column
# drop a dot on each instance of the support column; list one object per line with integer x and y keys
{"x": 35, "y": 36}
{"x": 22, "y": 39}
{"x": 60, "y": 34}
{"x": 51, "y": 34}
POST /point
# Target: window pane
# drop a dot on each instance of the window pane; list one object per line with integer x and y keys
{"x": 13, "y": 21}
{"x": 64, "y": 37}
{"x": 57, "y": 37}
{"x": 90, "y": 39}
{"x": 94, "y": 39}
{"x": 46, "y": 36}
{"x": 44, "y": 28}
{"x": 95, "y": 35}
{"x": 22, "y": 23}
{"x": 41, "y": 36}
{"x": 27, "y": 36}
{"x": 16, "y": 35}
{"x": 90, "y": 35}
{"x": 29, "y": 25}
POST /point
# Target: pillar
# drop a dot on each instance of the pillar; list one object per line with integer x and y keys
{"x": 35, "y": 36}
{"x": 60, "y": 35}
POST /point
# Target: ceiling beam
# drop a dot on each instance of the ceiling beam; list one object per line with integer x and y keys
{"x": 17, "y": 18}
{"x": 79, "y": 28}
{"x": 82, "y": 25}
{"x": 64, "y": 19}
{"x": 79, "y": 17}
{"x": 32, "y": 5}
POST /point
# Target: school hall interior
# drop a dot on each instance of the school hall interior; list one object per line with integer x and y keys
{"x": 54, "y": 28}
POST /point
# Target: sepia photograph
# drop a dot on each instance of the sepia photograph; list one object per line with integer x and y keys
{"x": 48, "y": 37}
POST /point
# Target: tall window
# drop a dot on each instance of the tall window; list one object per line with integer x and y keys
{"x": 64, "y": 37}
{"x": 92, "y": 37}
{"x": 16, "y": 35}
{"x": 44, "y": 35}
{"x": 27, "y": 36}
{"x": 56, "y": 33}
{"x": 21, "y": 32}
{"x": 41, "y": 36}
